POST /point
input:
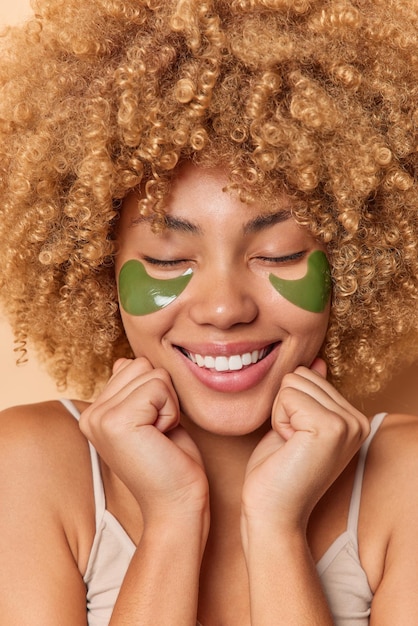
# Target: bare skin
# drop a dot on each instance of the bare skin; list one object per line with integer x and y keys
{"x": 231, "y": 485}
{"x": 65, "y": 534}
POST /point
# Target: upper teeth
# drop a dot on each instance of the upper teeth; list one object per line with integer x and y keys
{"x": 225, "y": 363}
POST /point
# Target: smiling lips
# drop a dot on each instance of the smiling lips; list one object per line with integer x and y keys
{"x": 232, "y": 363}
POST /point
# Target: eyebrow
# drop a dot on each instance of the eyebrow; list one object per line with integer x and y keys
{"x": 172, "y": 223}
{"x": 259, "y": 223}
{"x": 182, "y": 225}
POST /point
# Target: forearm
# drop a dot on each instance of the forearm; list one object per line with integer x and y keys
{"x": 284, "y": 585}
{"x": 161, "y": 584}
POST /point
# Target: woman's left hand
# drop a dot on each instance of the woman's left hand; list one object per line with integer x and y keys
{"x": 315, "y": 433}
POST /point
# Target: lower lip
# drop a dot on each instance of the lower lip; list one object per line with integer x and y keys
{"x": 235, "y": 381}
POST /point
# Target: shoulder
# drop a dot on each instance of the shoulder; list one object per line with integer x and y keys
{"x": 34, "y": 434}
{"x": 396, "y": 442}
{"x": 37, "y": 416}
{"x": 391, "y": 496}
{"x": 45, "y": 471}
{"x": 391, "y": 479}
{"x": 389, "y": 510}
{"x": 393, "y": 455}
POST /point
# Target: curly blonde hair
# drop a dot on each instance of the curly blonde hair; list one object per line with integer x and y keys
{"x": 314, "y": 97}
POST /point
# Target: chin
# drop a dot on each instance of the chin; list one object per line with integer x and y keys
{"x": 229, "y": 423}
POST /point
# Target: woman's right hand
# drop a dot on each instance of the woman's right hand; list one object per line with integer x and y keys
{"x": 134, "y": 426}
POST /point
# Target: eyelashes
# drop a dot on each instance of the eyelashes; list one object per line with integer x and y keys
{"x": 141, "y": 294}
{"x": 164, "y": 262}
{"x": 296, "y": 256}
{"x": 312, "y": 292}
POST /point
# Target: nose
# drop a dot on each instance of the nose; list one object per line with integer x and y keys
{"x": 223, "y": 300}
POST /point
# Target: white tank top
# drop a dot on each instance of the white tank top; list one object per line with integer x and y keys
{"x": 343, "y": 579}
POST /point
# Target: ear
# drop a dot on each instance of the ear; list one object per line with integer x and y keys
{"x": 320, "y": 367}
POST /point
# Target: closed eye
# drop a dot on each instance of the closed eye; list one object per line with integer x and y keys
{"x": 283, "y": 259}
{"x": 164, "y": 262}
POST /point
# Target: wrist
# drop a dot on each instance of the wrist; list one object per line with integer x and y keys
{"x": 282, "y": 555}
{"x": 260, "y": 534}
{"x": 283, "y": 516}
{"x": 274, "y": 551}
{"x": 177, "y": 529}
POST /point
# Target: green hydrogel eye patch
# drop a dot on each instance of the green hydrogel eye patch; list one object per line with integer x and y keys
{"x": 141, "y": 294}
{"x": 311, "y": 292}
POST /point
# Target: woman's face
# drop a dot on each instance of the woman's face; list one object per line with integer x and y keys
{"x": 222, "y": 331}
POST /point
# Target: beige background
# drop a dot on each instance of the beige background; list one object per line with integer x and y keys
{"x": 14, "y": 12}
{"x": 28, "y": 383}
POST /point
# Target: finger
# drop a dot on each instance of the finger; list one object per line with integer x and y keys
{"x": 163, "y": 400}
{"x": 299, "y": 411}
{"x": 126, "y": 370}
{"x": 150, "y": 402}
{"x": 120, "y": 364}
{"x": 131, "y": 367}
{"x": 137, "y": 378}
{"x": 312, "y": 383}
{"x": 319, "y": 366}
{"x": 153, "y": 389}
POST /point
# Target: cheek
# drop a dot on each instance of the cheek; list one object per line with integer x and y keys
{"x": 136, "y": 333}
{"x": 144, "y": 333}
{"x": 306, "y": 338}
{"x": 304, "y": 331}
{"x": 307, "y": 328}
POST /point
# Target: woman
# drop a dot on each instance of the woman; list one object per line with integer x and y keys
{"x": 208, "y": 223}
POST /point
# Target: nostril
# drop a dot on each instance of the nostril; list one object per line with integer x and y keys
{"x": 223, "y": 307}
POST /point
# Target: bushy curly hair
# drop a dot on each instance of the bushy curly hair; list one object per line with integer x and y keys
{"x": 314, "y": 97}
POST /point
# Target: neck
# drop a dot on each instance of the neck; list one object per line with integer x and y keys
{"x": 223, "y": 566}
{"x": 225, "y": 459}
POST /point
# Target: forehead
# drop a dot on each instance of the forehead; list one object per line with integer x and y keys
{"x": 200, "y": 195}
{"x": 203, "y": 186}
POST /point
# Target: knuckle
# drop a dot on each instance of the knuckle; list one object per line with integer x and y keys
{"x": 289, "y": 380}
{"x": 84, "y": 422}
{"x": 98, "y": 417}
{"x": 118, "y": 364}
{"x": 141, "y": 365}
{"x": 359, "y": 426}
{"x": 349, "y": 428}
{"x": 285, "y": 394}
{"x": 155, "y": 384}
{"x": 110, "y": 423}
{"x": 357, "y": 430}
{"x": 162, "y": 375}
{"x": 364, "y": 427}
{"x": 338, "y": 427}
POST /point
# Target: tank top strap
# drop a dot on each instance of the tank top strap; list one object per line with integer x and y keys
{"x": 354, "y": 510}
{"x": 98, "y": 490}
